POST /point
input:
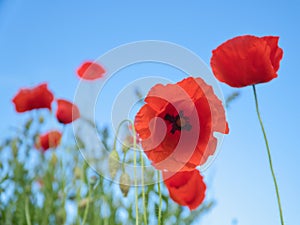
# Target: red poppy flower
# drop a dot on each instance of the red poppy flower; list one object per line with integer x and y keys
{"x": 177, "y": 123}
{"x": 66, "y": 112}
{"x": 48, "y": 140}
{"x": 90, "y": 71}
{"x": 247, "y": 60}
{"x": 186, "y": 188}
{"x": 33, "y": 98}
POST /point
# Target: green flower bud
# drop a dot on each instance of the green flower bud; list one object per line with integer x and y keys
{"x": 113, "y": 163}
{"x": 124, "y": 183}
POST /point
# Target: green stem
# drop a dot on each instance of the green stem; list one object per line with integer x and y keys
{"x": 135, "y": 176}
{"x": 87, "y": 206}
{"x": 269, "y": 156}
{"x": 143, "y": 189}
{"x": 118, "y": 130}
{"x": 160, "y": 198}
{"x": 27, "y": 215}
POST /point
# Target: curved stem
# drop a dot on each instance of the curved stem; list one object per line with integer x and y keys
{"x": 118, "y": 130}
{"x": 143, "y": 189}
{"x": 27, "y": 214}
{"x": 269, "y": 156}
{"x": 160, "y": 198}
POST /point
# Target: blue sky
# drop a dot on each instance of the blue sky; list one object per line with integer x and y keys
{"x": 48, "y": 40}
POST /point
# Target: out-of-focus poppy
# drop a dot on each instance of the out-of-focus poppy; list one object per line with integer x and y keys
{"x": 186, "y": 188}
{"x": 48, "y": 140}
{"x": 247, "y": 60}
{"x": 90, "y": 71}
{"x": 177, "y": 124}
{"x": 33, "y": 98}
{"x": 66, "y": 112}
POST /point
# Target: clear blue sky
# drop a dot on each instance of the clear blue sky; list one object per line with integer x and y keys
{"x": 47, "y": 40}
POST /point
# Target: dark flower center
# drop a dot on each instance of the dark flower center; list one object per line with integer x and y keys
{"x": 178, "y": 122}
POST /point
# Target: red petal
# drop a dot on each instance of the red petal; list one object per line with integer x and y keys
{"x": 49, "y": 140}
{"x": 276, "y": 52}
{"x": 33, "y": 98}
{"x": 246, "y": 60}
{"x": 183, "y": 150}
{"x": 186, "y": 188}
{"x": 90, "y": 71}
{"x": 66, "y": 112}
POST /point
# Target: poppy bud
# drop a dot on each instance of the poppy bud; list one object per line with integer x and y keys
{"x": 124, "y": 183}
{"x": 113, "y": 163}
{"x": 83, "y": 203}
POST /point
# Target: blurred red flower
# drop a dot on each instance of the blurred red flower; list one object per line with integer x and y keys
{"x": 177, "y": 123}
{"x": 33, "y": 98}
{"x": 66, "y": 112}
{"x": 247, "y": 60}
{"x": 187, "y": 188}
{"x": 90, "y": 71}
{"x": 48, "y": 140}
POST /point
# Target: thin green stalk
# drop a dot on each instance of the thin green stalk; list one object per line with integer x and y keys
{"x": 118, "y": 130}
{"x": 135, "y": 177}
{"x": 269, "y": 156}
{"x": 27, "y": 214}
{"x": 87, "y": 206}
{"x": 143, "y": 189}
{"x": 160, "y": 198}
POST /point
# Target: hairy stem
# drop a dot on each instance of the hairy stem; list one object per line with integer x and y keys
{"x": 135, "y": 177}
{"x": 269, "y": 156}
{"x": 160, "y": 198}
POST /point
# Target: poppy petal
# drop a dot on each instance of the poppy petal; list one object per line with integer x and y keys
{"x": 66, "y": 112}
{"x": 246, "y": 60}
{"x": 186, "y": 188}
{"x": 33, "y": 98}
{"x": 48, "y": 140}
{"x": 177, "y": 124}
{"x": 90, "y": 71}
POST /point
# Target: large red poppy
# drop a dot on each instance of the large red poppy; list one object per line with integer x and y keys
{"x": 48, "y": 140}
{"x": 66, "y": 112}
{"x": 90, "y": 71}
{"x": 247, "y": 60}
{"x": 33, "y": 98}
{"x": 186, "y": 188}
{"x": 177, "y": 124}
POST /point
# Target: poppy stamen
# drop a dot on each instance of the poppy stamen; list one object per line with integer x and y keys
{"x": 178, "y": 122}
